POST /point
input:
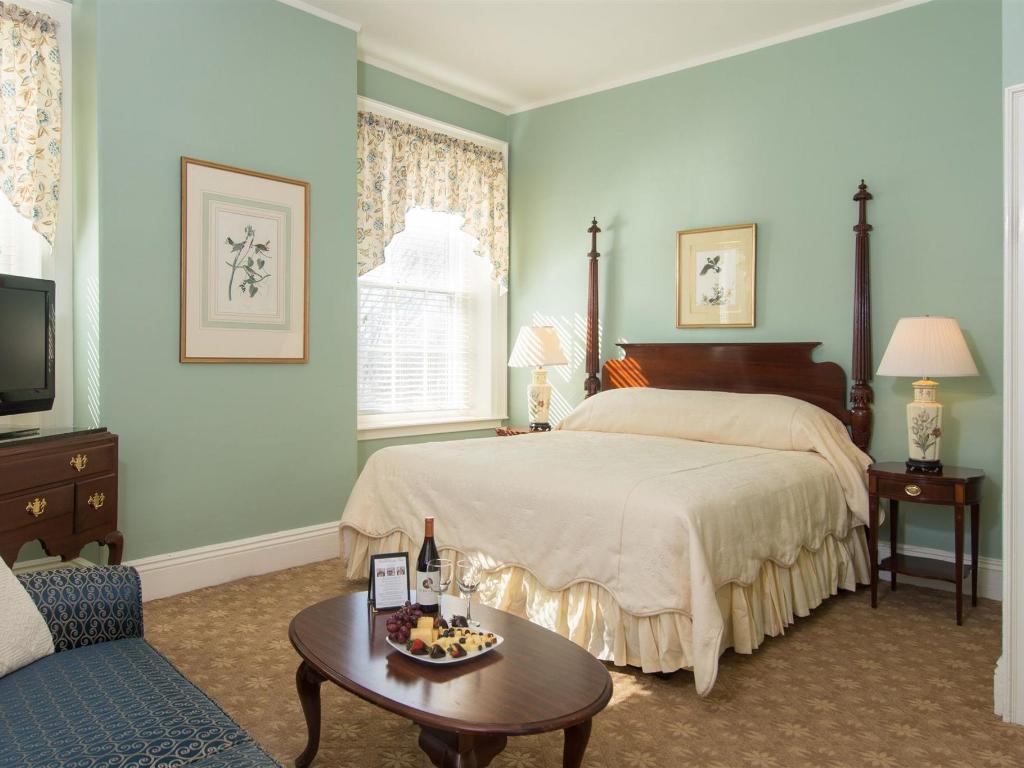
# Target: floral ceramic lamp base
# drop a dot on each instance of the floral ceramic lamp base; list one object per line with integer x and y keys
{"x": 538, "y": 396}
{"x": 924, "y": 429}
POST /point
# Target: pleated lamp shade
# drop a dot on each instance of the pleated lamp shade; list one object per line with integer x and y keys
{"x": 536, "y": 345}
{"x": 927, "y": 347}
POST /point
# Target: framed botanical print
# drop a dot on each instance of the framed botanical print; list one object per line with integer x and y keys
{"x": 715, "y": 277}
{"x": 244, "y": 266}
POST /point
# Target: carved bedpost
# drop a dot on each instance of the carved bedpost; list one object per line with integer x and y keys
{"x": 861, "y": 394}
{"x": 593, "y": 383}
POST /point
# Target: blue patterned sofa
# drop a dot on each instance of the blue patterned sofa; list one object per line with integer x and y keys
{"x": 106, "y": 698}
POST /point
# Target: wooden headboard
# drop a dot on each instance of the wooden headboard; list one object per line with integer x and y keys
{"x": 780, "y": 368}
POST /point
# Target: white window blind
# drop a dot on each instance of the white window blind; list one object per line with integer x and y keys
{"x": 23, "y": 251}
{"x": 417, "y": 355}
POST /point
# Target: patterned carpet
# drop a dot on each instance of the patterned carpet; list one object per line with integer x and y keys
{"x": 848, "y": 686}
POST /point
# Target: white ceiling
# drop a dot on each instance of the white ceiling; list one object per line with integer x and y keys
{"x": 512, "y": 55}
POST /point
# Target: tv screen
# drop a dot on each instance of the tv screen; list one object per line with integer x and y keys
{"x": 26, "y": 344}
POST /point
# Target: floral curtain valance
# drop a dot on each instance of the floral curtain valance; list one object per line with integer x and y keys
{"x": 30, "y": 111}
{"x": 400, "y": 166}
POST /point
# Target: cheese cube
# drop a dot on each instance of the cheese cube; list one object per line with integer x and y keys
{"x": 424, "y": 634}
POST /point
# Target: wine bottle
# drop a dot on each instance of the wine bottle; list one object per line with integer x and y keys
{"x": 425, "y": 575}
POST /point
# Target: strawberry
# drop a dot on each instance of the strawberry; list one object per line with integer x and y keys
{"x": 457, "y": 651}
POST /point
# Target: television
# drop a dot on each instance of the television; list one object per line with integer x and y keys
{"x": 26, "y": 344}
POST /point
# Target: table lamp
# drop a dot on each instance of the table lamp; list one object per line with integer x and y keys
{"x": 537, "y": 346}
{"x": 925, "y": 347}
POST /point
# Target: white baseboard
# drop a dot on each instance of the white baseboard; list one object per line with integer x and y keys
{"x": 177, "y": 572}
{"x": 990, "y": 570}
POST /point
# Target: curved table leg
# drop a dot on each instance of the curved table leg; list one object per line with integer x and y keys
{"x": 307, "y": 681}
{"x": 576, "y": 739}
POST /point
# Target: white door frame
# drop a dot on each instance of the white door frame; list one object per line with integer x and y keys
{"x": 1009, "y": 684}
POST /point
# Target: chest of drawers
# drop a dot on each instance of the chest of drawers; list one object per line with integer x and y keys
{"x": 59, "y": 488}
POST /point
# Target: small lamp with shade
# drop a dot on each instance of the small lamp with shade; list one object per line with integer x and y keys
{"x": 923, "y": 347}
{"x": 537, "y": 346}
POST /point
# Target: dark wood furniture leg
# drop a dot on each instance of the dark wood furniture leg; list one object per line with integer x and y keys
{"x": 873, "y": 546}
{"x": 115, "y": 544}
{"x": 958, "y": 568}
{"x": 894, "y": 516}
{"x": 975, "y": 530}
{"x": 9, "y": 551}
{"x": 308, "y": 681}
{"x": 576, "y": 739}
{"x": 592, "y": 385}
{"x": 460, "y": 750}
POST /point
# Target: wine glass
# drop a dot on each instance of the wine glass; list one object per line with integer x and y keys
{"x": 442, "y": 568}
{"x": 468, "y": 580}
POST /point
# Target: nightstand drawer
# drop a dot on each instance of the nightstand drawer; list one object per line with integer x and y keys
{"x": 917, "y": 491}
{"x": 56, "y": 466}
{"x": 37, "y": 507}
{"x": 95, "y": 502}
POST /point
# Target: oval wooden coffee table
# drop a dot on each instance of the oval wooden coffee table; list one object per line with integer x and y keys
{"x": 537, "y": 681}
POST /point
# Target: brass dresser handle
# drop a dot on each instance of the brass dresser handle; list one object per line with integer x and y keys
{"x": 96, "y": 500}
{"x": 79, "y": 461}
{"x": 36, "y": 507}
{"x": 912, "y": 490}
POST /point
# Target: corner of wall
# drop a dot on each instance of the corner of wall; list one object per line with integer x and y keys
{"x": 86, "y": 214}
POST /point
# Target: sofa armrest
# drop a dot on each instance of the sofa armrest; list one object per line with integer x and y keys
{"x": 84, "y": 606}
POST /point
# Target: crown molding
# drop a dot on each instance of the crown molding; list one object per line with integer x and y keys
{"x": 496, "y": 103}
{"x": 313, "y": 10}
{"x": 440, "y": 84}
{"x": 767, "y": 42}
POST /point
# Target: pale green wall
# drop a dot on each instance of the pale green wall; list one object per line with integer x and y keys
{"x": 781, "y": 136}
{"x": 381, "y": 85}
{"x": 213, "y": 453}
{"x": 1013, "y": 42}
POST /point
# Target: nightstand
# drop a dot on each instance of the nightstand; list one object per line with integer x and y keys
{"x": 958, "y": 487}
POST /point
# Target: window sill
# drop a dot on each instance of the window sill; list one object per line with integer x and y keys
{"x": 382, "y": 430}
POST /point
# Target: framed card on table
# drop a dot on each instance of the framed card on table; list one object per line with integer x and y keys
{"x": 389, "y": 581}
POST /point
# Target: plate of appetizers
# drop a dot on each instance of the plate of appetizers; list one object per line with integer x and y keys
{"x": 435, "y": 640}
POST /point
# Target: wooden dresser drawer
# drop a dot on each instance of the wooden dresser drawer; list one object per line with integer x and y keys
{"x": 95, "y": 502}
{"x": 36, "y": 469}
{"x": 910, "y": 491}
{"x": 37, "y": 508}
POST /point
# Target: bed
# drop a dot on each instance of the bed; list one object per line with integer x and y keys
{"x": 700, "y": 498}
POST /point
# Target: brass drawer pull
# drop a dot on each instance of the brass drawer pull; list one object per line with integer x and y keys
{"x": 79, "y": 461}
{"x": 36, "y": 507}
{"x": 96, "y": 500}
{"x": 912, "y": 490}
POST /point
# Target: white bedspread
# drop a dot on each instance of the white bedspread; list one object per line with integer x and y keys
{"x": 660, "y": 521}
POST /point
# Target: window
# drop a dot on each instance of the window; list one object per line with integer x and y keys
{"x": 429, "y": 318}
{"x": 23, "y": 251}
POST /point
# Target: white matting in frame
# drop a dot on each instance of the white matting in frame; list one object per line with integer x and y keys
{"x": 244, "y": 266}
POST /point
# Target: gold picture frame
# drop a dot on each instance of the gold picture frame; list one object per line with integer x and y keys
{"x": 716, "y": 277}
{"x": 244, "y": 299}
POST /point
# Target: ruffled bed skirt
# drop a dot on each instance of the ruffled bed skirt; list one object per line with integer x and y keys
{"x": 588, "y": 614}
